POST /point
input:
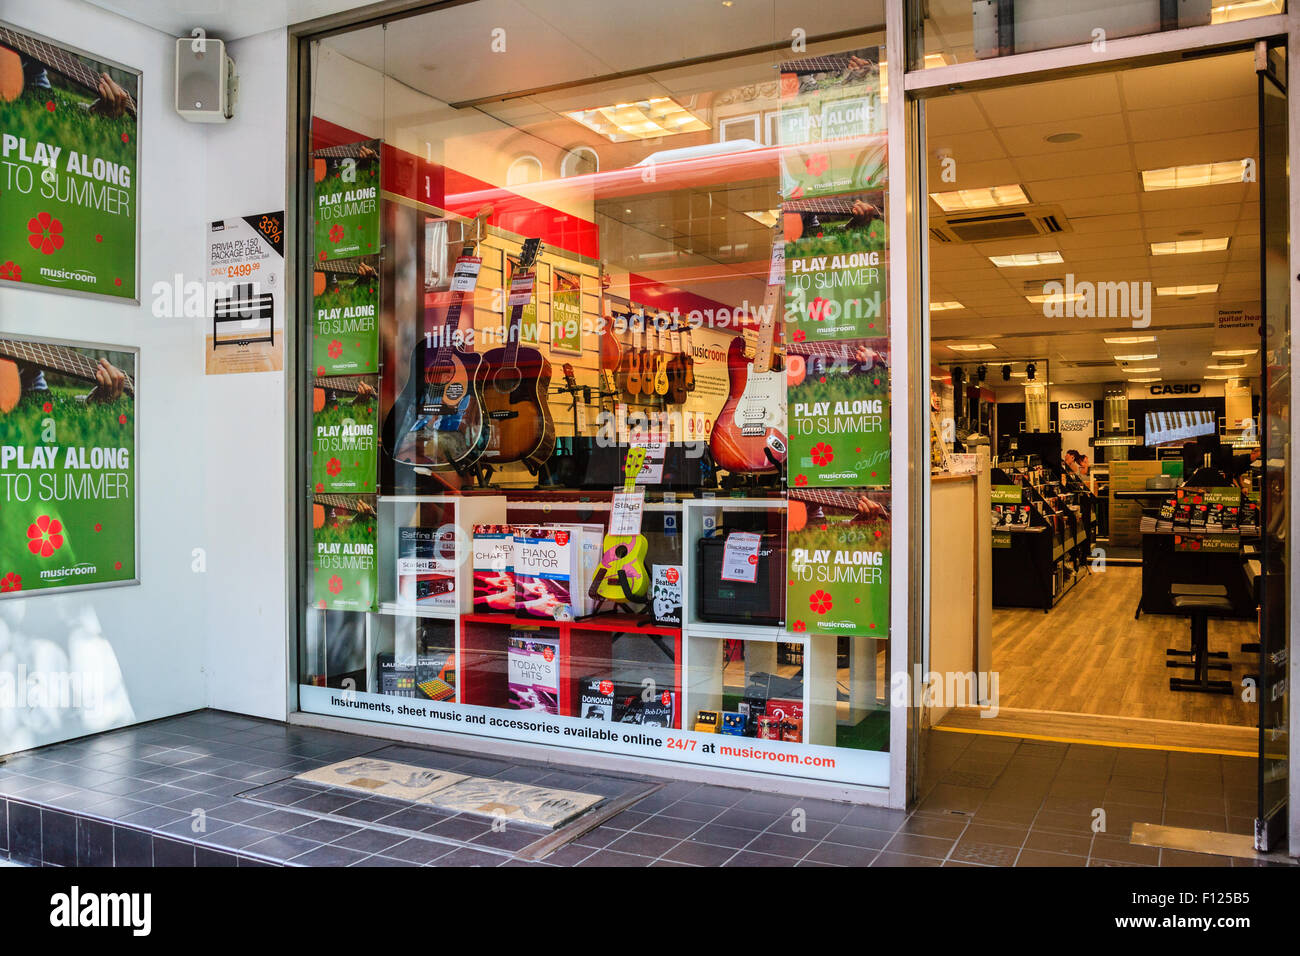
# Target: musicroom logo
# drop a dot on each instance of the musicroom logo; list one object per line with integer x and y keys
{"x": 133, "y": 911}
{"x": 76, "y": 570}
{"x": 66, "y": 275}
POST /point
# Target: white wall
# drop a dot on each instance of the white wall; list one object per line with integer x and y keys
{"x": 210, "y": 464}
{"x": 243, "y": 424}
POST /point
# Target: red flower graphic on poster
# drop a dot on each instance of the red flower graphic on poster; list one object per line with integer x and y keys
{"x": 333, "y": 467}
{"x": 822, "y": 454}
{"x": 11, "y": 582}
{"x": 335, "y": 349}
{"x": 801, "y": 480}
{"x": 800, "y": 626}
{"x": 819, "y": 310}
{"x": 336, "y": 233}
{"x": 46, "y": 233}
{"x": 817, "y": 164}
{"x": 820, "y": 602}
{"x": 11, "y": 271}
{"x": 44, "y": 536}
{"x": 336, "y": 584}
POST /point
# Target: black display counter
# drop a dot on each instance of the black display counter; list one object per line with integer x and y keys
{"x": 1163, "y": 565}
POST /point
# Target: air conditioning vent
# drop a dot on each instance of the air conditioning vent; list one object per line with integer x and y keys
{"x": 992, "y": 226}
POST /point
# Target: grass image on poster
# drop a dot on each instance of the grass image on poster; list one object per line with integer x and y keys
{"x": 838, "y": 401}
{"x": 345, "y": 422}
{"x": 68, "y": 189}
{"x": 345, "y": 310}
{"x": 835, "y": 270}
{"x": 67, "y": 467}
{"x": 346, "y": 200}
{"x": 832, "y": 125}
{"x": 837, "y": 562}
{"x": 343, "y": 560}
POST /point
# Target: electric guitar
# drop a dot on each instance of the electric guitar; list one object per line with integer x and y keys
{"x": 676, "y": 369}
{"x": 61, "y": 61}
{"x": 437, "y": 422}
{"x": 660, "y": 362}
{"x": 750, "y": 432}
{"x": 514, "y": 380}
{"x": 51, "y": 358}
{"x": 622, "y": 576}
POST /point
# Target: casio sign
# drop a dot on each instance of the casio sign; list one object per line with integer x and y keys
{"x": 1193, "y": 389}
{"x": 1076, "y": 404}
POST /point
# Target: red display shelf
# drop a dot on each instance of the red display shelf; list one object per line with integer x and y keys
{"x": 586, "y": 649}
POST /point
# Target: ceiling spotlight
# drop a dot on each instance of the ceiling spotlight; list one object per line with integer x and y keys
{"x": 1031, "y": 368}
{"x": 1006, "y": 373}
{"x": 982, "y": 373}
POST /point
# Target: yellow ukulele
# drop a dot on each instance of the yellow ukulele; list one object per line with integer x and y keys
{"x": 622, "y": 576}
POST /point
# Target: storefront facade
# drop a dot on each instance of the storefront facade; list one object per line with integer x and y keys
{"x": 646, "y": 299}
{"x": 545, "y": 154}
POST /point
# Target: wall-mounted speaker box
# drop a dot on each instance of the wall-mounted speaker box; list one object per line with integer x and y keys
{"x": 205, "y": 80}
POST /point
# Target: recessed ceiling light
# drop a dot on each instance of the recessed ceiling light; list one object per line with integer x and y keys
{"x": 932, "y": 60}
{"x": 1023, "y": 259}
{"x": 1201, "y": 174}
{"x": 1129, "y": 339}
{"x": 982, "y": 347}
{"x": 1145, "y": 368}
{"x": 1233, "y": 353}
{"x": 1187, "y": 289}
{"x": 947, "y": 306}
{"x": 1020, "y": 375}
{"x": 1144, "y": 380}
{"x": 986, "y": 197}
{"x": 1244, "y": 10}
{"x": 1191, "y": 232}
{"x": 1223, "y": 365}
{"x": 1063, "y": 137}
{"x": 764, "y": 217}
{"x": 1054, "y": 297}
{"x": 644, "y": 119}
{"x": 1182, "y": 247}
{"x": 1145, "y": 357}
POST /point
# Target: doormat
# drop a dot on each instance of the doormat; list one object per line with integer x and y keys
{"x": 455, "y": 792}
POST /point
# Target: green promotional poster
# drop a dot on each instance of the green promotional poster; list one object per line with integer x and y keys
{"x": 344, "y": 576}
{"x": 832, "y": 125}
{"x": 68, "y": 169}
{"x": 345, "y": 337}
{"x": 566, "y": 315}
{"x": 345, "y": 424}
{"x": 67, "y": 466}
{"x": 835, "y": 271}
{"x": 838, "y": 401}
{"x": 838, "y": 563}
{"x": 347, "y": 200}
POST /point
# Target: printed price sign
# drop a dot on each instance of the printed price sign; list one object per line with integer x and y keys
{"x": 625, "y": 513}
{"x": 740, "y": 557}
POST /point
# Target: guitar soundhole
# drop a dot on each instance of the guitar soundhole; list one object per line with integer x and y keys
{"x": 506, "y": 380}
{"x": 440, "y": 373}
{"x": 620, "y": 551}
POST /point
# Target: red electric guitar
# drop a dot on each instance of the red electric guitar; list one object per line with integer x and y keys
{"x": 750, "y": 432}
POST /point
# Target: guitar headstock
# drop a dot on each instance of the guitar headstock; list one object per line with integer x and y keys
{"x": 569, "y": 378}
{"x": 528, "y": 255}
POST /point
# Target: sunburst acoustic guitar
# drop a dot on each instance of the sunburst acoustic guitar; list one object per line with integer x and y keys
{"x": 514, "y": 380}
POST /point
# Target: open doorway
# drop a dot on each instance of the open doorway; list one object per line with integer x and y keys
{"x": 1094, "y": 287}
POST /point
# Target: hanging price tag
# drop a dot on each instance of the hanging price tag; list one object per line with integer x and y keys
{"x": 465, "y": 276}
{"x": 740, "y": 557}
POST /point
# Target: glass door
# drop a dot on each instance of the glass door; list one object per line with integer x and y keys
{"x": 1275, "y": 430}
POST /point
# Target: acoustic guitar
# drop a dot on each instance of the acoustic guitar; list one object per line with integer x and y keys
{"x": 688, "y": 356}
{"x": 862, "y": 504}
{"x": 50, "y": 358}
{"x": 676, "y": 369}
{"x": 633, "y": 380}
{"x": 660, "y": 360}
{"x": 514, "y": 380}
{"x": 611, "y": 354}
{"x": 437, "y": 422}
{"x": 51, "y": 57}
{"x": 749, "y": 435}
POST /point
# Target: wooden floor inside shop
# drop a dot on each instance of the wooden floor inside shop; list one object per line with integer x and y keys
{"x": 1088, "y": 657}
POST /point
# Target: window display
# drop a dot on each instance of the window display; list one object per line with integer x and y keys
{"x": 607, "y": 443}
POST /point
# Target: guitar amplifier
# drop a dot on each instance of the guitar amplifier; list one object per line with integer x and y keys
{"x": 683, "y": 467}
{"x": 739, "y": 602}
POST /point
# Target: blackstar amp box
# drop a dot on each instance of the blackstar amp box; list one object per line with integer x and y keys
{"x": 740, "y": 602}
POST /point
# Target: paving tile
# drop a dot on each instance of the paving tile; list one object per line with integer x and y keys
{"x": 747, "y": 858}
{"x": 718, "y": 835}
{"x": 916, "y": 845}
{"x": 172, "y": 852}
{"x": 779, "y": 844}
{"x": 281, "y": 846}
{"x": 1041, "y": 858}
{"x": 841, "y": 854}
{"x": 668, "y": 827}
{"x": 887, "y": 858}
{"x": 94, "y": 843}
{"x": 132, "y": 847}
{"x": 612, "y": 858}
{"x": 467, "y": 857}
{"x": 24, "y": 832}
{"x": 865, "y": 837}
{"x": 329, "y": 856}
{"x": 700, "y": 854}
{"x": 643, "y": 844}
{"x": 58, "y": 838}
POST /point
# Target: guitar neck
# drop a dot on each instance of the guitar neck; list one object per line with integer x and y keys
{"x": 55, "y": 358}
{"x": 341, "y": 383}
{"x": 830, "y": 206}
{"x": 838, "y": 500}
{"x": 346, "y": 151}
{"x": 815, "y": 64}
{"x": 337, "y": 502}
{"x": 61, "y": 61}
{"x": 772, "y": 297}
